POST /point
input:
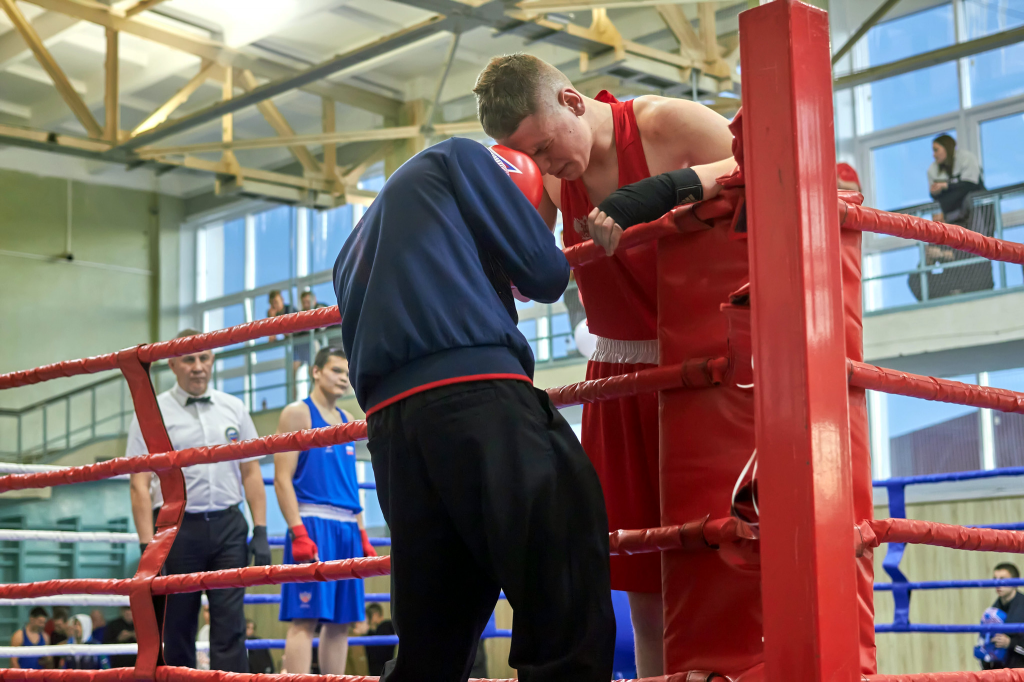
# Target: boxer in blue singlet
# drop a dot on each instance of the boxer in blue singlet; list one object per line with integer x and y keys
{"x": 319, "y": 497}
{"x": 37, "y": 618}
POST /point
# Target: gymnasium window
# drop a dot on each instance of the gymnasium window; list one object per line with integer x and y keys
{"x": 1002, "y": 149}
{"x": 997, "y": 74}
{"x": 274, "y": 242}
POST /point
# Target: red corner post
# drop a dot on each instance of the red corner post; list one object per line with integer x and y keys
{"x": 147, "y": 615}
{"x": 803, "y": 436}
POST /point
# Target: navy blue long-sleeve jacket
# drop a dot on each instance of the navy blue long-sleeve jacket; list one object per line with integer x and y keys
{"x": 423, "y": 280}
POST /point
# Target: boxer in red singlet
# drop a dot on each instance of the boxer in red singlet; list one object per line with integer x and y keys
{"x": 587, "y": 148}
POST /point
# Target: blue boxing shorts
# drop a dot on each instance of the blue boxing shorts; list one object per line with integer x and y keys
{"x": 339, "y": 601}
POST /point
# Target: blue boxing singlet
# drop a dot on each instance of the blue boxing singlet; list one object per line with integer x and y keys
{"x": 327, "y": 475}
{"x": 34, "y": 663}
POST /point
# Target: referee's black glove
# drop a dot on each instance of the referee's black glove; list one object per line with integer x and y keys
{"x": 259, "y": 548}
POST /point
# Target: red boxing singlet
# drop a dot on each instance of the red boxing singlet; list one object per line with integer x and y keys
{"x": 619, "y": 293}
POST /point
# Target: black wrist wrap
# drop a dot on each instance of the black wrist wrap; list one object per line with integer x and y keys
{"x": 651, "y": 198}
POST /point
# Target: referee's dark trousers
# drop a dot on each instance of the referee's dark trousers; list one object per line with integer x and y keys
{"x": 208, "y": 541}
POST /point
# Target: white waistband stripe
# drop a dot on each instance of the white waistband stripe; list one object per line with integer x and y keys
{"x": 626, "y": 352}
{"x": 326, "y": 511}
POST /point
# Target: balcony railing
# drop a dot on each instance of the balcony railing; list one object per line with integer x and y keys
{"x": 901, "y": 273}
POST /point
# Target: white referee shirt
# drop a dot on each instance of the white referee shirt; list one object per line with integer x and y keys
{"x": 210, "y": 487}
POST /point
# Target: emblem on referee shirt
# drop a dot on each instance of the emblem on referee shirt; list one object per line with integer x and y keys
{"x": 304, "y": 597}
{"x": 231, "y": 433}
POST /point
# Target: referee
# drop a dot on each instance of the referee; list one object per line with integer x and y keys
{"x": 214, "y": 531}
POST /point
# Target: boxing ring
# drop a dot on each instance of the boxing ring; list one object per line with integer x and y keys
{"x": 760, "y": 330}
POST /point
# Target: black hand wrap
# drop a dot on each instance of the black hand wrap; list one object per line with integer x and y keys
{"x": 651, "y": 198}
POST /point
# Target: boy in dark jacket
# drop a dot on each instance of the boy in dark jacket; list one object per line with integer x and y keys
{"x": 483, "y": 484}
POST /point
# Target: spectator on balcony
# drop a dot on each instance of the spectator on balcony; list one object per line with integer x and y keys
{"x": 277, "y": 306}
{"x": 33, "y": 634}
{"x": 954, "y": 180}
{"x": 303, "y": 341}
{"x": 1011, "y": 603}
{"x": 951, "y": 177}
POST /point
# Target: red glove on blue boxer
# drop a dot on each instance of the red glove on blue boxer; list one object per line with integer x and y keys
{"x": 303, "y": 548}
{"x": 368, "y": 549}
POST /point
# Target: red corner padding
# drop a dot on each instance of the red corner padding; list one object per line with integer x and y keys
{"x": 283, "y": 442}
{"x": 915, "y": 532}
{"x": 865, "y": 219}
{"x": 930, "y": 388}
{"x": 699, "y": 373}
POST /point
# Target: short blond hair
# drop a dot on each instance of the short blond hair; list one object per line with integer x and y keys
{"x": 512, "y": 87}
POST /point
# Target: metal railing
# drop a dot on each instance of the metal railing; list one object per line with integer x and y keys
{"x": 903, "y": 274}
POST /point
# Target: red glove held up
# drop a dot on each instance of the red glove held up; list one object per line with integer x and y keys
{"x": 303, "y": 548}
{"x": 368, "y": 549}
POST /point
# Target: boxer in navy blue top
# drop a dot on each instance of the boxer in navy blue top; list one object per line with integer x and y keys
{"x": 483, "y": 484}
{"x": 318, "y": 493}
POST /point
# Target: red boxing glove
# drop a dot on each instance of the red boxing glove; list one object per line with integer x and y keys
{"x": 368, "y": 549}
{"x": 303, "y": 548}
{"x": 522, "y": 170}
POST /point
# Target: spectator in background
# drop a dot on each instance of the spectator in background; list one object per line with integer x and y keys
{"x": 951, "y": 177}
{"x": 203, "y": 657}
{"x": 80, "y": 632}
{"x": 99, "y": 624}
{"x": 954, "y": 178}
{"x": 304, "y": 341}
{"x": 277, "y": 306}
{"x": 121, "y": 631}
{"x": 378, "y": 655}
{"x": 848, "y": 178}
{"x": 260, "y": 660}
{"x": 57, "y": 627}
{"x": 33, "y": 634}
{"x": 1009, "y": 607}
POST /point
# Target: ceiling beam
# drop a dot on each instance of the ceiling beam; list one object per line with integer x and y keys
{"x": 111, "y": 105}
{"x": 875, "y": 17}
{"x": 279, "y": 86}
{"x": 177, "y": 99}
{"x": 47, "y": 25}
{"x": 141, "y": 6}
{"x": 922, "y": 61}
{"x": 682, "y": 29}
{"x": 49, "y": 64}
{"x": 206, "y": 48}
{"x": 277, "y": 121}
{"x": 342, "y": 137}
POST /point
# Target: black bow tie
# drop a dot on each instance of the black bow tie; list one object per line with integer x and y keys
{"x": 191, "y": 400}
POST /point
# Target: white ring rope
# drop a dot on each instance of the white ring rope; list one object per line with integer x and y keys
{"x": 78, "y": 650}
{"x": 68, "y": 536}
{"x": 12, "y": 468}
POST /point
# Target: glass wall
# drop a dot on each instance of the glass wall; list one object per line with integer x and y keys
{"x": 886, "y": 127}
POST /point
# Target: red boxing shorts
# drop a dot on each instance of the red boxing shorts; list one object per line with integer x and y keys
{"x": 621, "y": 439}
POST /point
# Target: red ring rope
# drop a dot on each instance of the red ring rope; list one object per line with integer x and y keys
{"x": 886, "y": 380}
{"x": 878, "y": 531}
{"x": 865, "y": 219}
